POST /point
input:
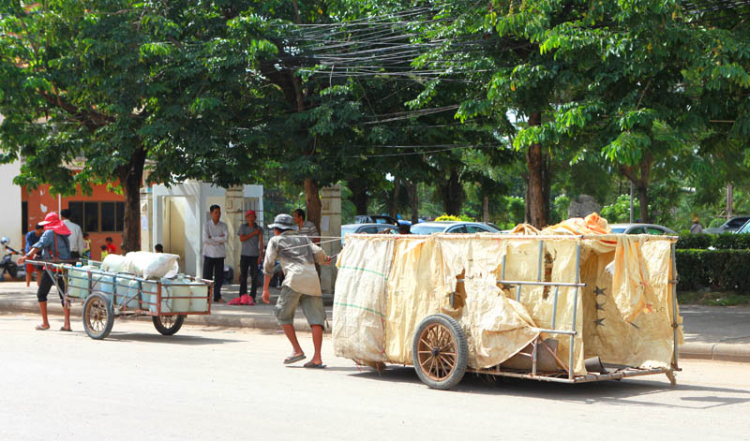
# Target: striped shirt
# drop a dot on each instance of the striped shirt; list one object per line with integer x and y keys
{"x": 308, "y": 229}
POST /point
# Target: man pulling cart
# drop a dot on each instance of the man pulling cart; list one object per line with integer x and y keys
{"x": 54, "y": 247}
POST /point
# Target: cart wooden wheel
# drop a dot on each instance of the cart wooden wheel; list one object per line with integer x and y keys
{"x": 98, "y": 316}
{"x": 440, "y": 352}
{"x": 168, "y": 324}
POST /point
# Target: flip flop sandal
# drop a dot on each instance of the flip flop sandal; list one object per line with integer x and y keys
{"x": 41, "y": 328}
{"x": 311, "y": 365}
{"x": 64, "y": 329}
{"x": 294, "y": 358}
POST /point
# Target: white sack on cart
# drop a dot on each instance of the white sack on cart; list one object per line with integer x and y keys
{"x": 114, "y": 263}
{"x": 152, "y": 265}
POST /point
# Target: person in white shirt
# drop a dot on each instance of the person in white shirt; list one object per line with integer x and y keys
{"x": 77, "y": 245}
{"x": 215, "y": 235}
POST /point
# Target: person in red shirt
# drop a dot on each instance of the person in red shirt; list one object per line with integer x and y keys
{"x": 111, "y": 248}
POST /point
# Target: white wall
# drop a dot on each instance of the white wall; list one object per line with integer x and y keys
{"x": 189, "y": 192}
{"x": 10, "y": 198}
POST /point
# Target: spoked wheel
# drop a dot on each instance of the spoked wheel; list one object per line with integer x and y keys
{"x": 98, "y": 316}
{"x": 168, "y": 324}
{"x": 440, "y": 352}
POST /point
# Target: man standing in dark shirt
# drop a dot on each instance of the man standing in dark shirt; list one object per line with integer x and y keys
{"x": 251, "y": 237}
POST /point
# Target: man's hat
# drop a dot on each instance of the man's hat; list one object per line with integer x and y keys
{"x": 52, "y": 222}
{"x": 249, "y": 212}
{"x": 283, "y": 222}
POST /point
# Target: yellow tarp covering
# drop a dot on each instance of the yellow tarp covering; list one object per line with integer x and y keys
{"x": 387, "y": 284}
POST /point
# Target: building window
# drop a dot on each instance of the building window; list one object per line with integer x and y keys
{"x": 98, "y": 217}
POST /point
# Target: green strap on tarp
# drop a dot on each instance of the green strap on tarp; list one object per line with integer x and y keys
{"x": 360, "y": 307}
{"x": 356, "y": 268}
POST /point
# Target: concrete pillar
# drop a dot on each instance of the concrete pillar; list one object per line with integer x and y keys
{"x": 147, "y": 210}
{"x": 234, "y": 217}
{"x": 330, "y": 227}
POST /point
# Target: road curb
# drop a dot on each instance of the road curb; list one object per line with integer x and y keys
{"x": 716, "y": 351}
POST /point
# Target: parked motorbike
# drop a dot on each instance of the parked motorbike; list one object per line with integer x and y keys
{"x": 7, "y": 265}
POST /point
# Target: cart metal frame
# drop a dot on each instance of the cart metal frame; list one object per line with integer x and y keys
{"x": 568, "y": 376}
{"x": 119, "y": 302}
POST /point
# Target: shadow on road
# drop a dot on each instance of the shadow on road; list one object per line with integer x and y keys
{"x": 629, "y": 392}
{"x": 171, "y": 340}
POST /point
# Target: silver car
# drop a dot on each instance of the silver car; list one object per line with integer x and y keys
{"x": 656, "y": 230}
{"x": 733, "y": 224}
{"x": 366, "y": 229}
{"x": 453, "y": 227}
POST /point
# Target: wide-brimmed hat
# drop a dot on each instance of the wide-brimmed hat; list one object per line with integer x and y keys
{"x": 283, "y": 222}
{"x": 52, "y": 222}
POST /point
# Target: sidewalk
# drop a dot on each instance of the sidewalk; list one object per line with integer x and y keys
{"x": 711, "y": 332}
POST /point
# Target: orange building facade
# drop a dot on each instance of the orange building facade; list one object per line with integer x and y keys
{"x": 101, "y": 215}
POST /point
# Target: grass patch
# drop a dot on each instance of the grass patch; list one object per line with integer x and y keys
{"x": 712, "y": 298}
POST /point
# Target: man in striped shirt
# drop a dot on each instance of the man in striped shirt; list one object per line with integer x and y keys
{"x": 305, "y": 227}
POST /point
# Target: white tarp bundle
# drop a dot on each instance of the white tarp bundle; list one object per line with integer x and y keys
{"x": 387, "y": 284}
{"x": 360, "y": 330}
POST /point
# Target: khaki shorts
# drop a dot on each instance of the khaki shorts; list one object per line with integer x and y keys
{"x": 286, "y": 306}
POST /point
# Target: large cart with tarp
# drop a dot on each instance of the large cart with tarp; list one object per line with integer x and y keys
{"x": 109, "y": 294}
{"x": 569, "y": 304}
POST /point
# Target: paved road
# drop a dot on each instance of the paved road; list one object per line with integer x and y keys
{"x": 218, "y": 383}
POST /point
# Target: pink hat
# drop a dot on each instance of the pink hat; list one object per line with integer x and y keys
{"x": 52, "y": 222}
{"x": 249, "y": 212}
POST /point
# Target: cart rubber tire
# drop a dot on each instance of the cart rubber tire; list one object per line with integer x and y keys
{"x": 98, "y": 316}
{"x": 171, "y": 326}
{"x": 440, "y": 352}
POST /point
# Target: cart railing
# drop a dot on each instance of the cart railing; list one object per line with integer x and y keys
{"x": 108, "y": 283}
{"x": 572, "y": 333}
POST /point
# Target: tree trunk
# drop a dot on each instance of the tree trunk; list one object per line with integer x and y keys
{"x": 360, "y": 198}
{"x": 312, "y": 202}
{"x": 131, "y": 177}
{"x": 641, "y": 183}
{"x": 535, "y": 194}
{"x": 453, "y": 194}
{"x": 486, "y": 209}
{"x": 396, "y": 193}
{"x": 643, "y": 198}
{"x": 411, "y": 189}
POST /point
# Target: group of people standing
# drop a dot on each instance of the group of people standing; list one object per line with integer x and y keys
{"x": 294, "y": 247}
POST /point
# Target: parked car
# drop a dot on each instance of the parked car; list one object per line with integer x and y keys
{"x": 729, "y": 226}
{"x": 657, "y": 230}
{"x": 453, "y": 227}
{"x": 370, "y": 228}
{"x": 745, "y": 229}
{"x": 375, "y": 219}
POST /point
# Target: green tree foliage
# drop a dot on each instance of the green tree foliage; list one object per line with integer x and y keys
{"x": 120, "y": 83}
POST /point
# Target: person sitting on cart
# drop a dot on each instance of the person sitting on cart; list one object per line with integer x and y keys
{"x": 54, "y": 246}
{"x": 297, "y": 255}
